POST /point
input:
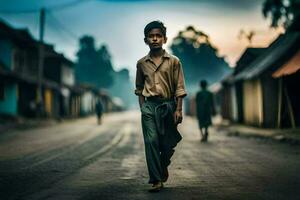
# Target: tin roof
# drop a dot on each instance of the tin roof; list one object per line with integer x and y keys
{"x": 247, "y": 57}
{"x": 280, "y": 50}
{"x": 292, "y": 66}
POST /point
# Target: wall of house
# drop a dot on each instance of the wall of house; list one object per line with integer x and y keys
{"x": 30, "y": 68}
{"x": 75, "y": 105}
{"x": 68, "y": 76}
{"x": 86, "y": 103}
{"x": 48, "y": 102}
{"x": 65, "y": 101}
{"x": 52, "y": 70}
{"x": 52, "y": 103}
{"x": 55, "y": 104}
{"x": 27, "y": 99}
{"x": 233, "y": 102}
{"x": 226, "y": 102}
{"x": 19, "y": 61}
{"x": 6, "y": 49}
{"x": 270, "y": 88}
{"x": 291, "y": 84}
{"x": 253, "y": 106}
{"x": 8, "y": 104}
{"x": 239, "y": 100}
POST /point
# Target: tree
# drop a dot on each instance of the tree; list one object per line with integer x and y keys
{"x": 93, "y": 66}
{"x": 123, "y": 88}
{"x": 282, "y": 12}
{"x": 106, "y": 69}
{"x": 199, "y": 58}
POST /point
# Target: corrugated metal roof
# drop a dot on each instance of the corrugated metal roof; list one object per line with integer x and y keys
{"x": 272, "y": 55}
{"x": 249, "y": 54}
{"x": 292, "y": 66}
{"x": 247, "y": 57}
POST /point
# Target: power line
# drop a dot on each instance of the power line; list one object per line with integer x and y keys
{"x": 55, "y": 7}
{"x": 53, "y": 28}
{"x": 67, "y": 5}
{"x": 62, "y": 27}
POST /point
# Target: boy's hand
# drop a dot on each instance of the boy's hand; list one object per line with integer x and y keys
{"x": 178, "y": 117}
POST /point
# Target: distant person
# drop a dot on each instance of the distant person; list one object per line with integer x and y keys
{"x": 160, "y": 88}
{"x": 99, "y": 111}
{"x": 204, "y": 109}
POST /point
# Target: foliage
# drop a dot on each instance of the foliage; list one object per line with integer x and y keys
{"x": 123, "y": 88}
{"x": 199, "y": 57}
{"x": 94, "y": 65}
{"x": 281, "y": 12}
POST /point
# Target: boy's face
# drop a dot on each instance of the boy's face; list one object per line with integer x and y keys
{"x": 155, "y": 39}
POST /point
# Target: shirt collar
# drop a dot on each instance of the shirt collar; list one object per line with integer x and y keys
{"x": 165, "y": 55}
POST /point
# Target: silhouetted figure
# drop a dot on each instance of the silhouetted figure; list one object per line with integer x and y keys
{"x": 205, "y": 109}
{"x": 160, "y": 88}
{"x": 99, "y": 111}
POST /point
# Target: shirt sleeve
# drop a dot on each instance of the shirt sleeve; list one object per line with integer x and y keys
{"x": 179, "y": 80}
{"x": 139, "y": 80}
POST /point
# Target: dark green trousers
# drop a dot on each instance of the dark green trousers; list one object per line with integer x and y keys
{"x": 157, "y": 154}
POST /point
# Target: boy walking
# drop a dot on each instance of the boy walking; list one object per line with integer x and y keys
{"x": 99, "y": 111}
{"x": 205, "y": 109}
{"x": 160, "y": 88}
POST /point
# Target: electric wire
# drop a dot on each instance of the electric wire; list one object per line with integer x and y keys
{"x": 52, "y": 8}
{"x": 62, "y": 26}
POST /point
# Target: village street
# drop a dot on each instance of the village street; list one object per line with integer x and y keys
{"x": 79, "y": 159}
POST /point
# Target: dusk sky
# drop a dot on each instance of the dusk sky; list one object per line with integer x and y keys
{"x": 119, "y": 24}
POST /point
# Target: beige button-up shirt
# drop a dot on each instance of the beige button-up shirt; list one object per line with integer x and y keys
{"x": 165, "y": 80}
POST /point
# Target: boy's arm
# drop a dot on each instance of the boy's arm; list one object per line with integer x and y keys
{"x": 179, "y": 103}
{"x": 139, "y": 84}
{"x": 179, "y": 81}
{"x": 139, "y": 80}
{"x": 180, "y": 92}
{"x": 178, "y": 113}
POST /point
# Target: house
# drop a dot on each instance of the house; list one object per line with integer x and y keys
{"x": 235, "y": 99}
{"x": 8, "y": 92}
{"x": 288, "y": 76}
{"x": 262, "y": 94}
{"x": 19, "y": 70}
{"x": 19, "y": 74}
{"x": 61, "y": 70}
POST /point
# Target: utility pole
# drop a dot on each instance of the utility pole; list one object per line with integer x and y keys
{"x": 40, "y": 103}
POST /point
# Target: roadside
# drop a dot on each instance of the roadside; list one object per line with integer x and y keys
{"x": 8, "y": 124}
{"x": 286, "y": 135}
{"x": 290, "y": 136}
{"x": 20, "y": 123}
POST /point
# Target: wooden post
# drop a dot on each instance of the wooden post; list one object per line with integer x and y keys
{"x": 41, "y": 64}
{"x": 290, "y": 108}
{"x": 279, "y": 103}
